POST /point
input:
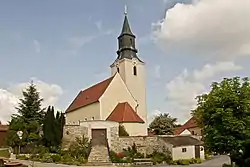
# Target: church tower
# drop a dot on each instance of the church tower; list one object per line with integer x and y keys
{"x": 131, "y": 68}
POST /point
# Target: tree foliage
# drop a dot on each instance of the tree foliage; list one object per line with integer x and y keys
{"x": 224, "y": 116}
{"x": 53, "y": 128}
{"x": 163, "y": 124}
{"x": 29, "y": 118}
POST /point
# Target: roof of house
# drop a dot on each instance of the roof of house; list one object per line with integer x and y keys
{"x": 177, "y": 141}
{"x": 4, "y": 127}
{"x": 89, "y": 95}
{"x": 123, "y": 112}
{"x": 189, "y": 124}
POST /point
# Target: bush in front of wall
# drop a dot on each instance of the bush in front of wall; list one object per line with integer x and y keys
{"x": 187, "y": 161}
{"x": 160, "y": 157}
{"x": 118, "y": 158}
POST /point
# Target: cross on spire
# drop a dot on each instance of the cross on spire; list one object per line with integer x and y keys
{"x": 125, "y": 10}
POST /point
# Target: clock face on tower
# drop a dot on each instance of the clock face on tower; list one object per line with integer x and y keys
{"x": 134, "y": 61}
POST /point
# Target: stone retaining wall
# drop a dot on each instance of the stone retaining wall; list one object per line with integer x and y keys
{"x": 71, "y": 132}
{"x": 145, "y": 145}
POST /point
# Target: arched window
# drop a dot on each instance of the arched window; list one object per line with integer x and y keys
{"x": 135, "y": 70}
{"x": 118, "y": 70}
{"x": 131, "y": 41}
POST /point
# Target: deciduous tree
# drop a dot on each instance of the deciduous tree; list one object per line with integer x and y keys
{"x": 163, "y": 124}
{"x": 224, "y": 116}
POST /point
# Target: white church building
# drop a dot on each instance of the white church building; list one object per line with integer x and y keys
{"x": 121, "y": 98}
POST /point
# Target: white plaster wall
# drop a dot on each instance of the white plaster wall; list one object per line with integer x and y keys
{"x": 135, "y": 84}
{"x": 178, "y": 154}
{"x": 135, "y": 129}
{"x": 86, "y": 112}
{"x": 115, "y": 93}
{"x": 185, "y": 132}
{"x": 202, "y": 152}
{"x": 99, "y": 124}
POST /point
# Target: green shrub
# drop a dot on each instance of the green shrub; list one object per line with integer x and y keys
{"x": 22, "y": 157}
{"x": 40, "y": 150}
{"x": 79, "y": 148}
{"x": 160, "y": 157}
{"x": 207, "y": 156}
{"x": 35, "y": 157}
{"x": 187, "y": 161}
{"x": 56, "y": 157}
{"x": 116, "y": 159}
{"x": 47, "y": 158}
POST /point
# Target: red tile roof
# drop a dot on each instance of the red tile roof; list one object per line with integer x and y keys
{"x": 89, "y": 95}
{"x": 191, "y": 123}
{"x": 123, "y": 112}
{"x": 4, "y": 128}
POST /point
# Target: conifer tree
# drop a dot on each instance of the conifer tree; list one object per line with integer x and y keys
{"x": 49, "y": 128}
{"x": 28, "y": 119}
{"x": 53, "y": 128}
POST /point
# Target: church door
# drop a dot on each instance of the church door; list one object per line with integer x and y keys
{"x": 99, "y": 136}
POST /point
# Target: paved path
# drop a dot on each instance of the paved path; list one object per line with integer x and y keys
{"x": 217, "y": 161}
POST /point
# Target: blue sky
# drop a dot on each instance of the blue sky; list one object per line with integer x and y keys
{"x": 72, "y": 43}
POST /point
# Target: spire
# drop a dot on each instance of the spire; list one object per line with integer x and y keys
{"x": 126, "y": 28}
{"x": 126, "y": 41}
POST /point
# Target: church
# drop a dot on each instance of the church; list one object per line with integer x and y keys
{"x": 121, "y": 98}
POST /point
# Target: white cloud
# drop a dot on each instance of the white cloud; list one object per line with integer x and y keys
{"x": 9, "y": 97}
{"x": 206, "y": 27}
{"x": 182, "y": 90}
{"x": 8, "y": 101}
{"x": 37, "y": 46}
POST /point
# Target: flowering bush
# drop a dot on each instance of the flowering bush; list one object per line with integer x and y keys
{"x": 121, "y": 155}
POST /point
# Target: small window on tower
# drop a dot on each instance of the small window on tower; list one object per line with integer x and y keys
{"x": 118, "y": 69}
{"x": 135, "y": 70}
{"x": 131, "y": 42}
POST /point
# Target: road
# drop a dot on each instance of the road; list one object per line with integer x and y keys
{"x": 217, "y": 161}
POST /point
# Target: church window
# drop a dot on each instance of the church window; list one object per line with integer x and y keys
{"x": 93, "y": 118}
{"x": 86, "y": 119}
{"x": 131, "y": 42}
{"x": 118, "y": 70}
{"x": 184, "y": 150}
{"x": 134, "y": 70}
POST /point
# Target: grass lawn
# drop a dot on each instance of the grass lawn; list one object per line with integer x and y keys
{"x": 4, "y": 153}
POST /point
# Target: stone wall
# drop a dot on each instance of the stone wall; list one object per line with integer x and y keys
{"x": 71, "y": 132}
{"x": 145, "y": 145}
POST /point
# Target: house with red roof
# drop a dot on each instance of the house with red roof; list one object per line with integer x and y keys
{"x": 189, "y": 128}
{"x": 121, "y": 98}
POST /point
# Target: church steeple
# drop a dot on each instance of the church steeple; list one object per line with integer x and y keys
{"x": 126, "y": 41}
